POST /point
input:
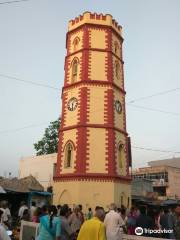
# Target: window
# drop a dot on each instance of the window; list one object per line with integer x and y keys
{"x": 74, "y": 70}
{"x": 75, "y": 44}
{"x": 120, "y": 151}
{"x": 68, "y": 155}
{"x": 117, "y": 70}
{"x": 122, "y": 200}
{"x": 116, "y": 47}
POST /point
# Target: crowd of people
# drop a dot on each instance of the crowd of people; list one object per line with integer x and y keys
{"x": 63, "y": 223}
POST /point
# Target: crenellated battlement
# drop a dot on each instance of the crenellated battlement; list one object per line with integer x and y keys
{"x": 94, "y": 18}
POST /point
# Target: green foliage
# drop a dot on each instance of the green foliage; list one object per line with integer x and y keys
{"x": 49, "y": 143}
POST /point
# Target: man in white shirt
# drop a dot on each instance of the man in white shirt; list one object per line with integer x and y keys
{"x": 32, "y": 209}
{"x": 113, "y": 223}
{"x": 3, "y": 233}
{"x": 21, "y": 209}
{"x": 6, "y": 216}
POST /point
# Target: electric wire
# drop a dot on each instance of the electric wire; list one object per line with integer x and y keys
{"x": 28, "y": 82}
{"x": 154, "y": 95}
{"x": 15, "y": 1}
{"x": 154, "y": 109}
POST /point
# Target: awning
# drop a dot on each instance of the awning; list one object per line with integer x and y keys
{"x": 2, "y": 190}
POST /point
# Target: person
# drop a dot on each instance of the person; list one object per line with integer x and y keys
{"x": 50, "y": 226}
{"x": 172, "y": 218}
{"x": 3, "y": 232}
{"x": 6, "y": 217}
{"x": 75, "y": 220}
{"x": 43, "y": 211}
{"x": 164, "y": 222}
{"x": 58, "y": 210}
{"x": 23, "y": 206}
{"x": 36, "y": 215}
{"x": 113, "y": 223}
{"x": 32, "y": 210}
{"x": 89, "y": 214}
{"x": 177, "y": 223}
{"x": 144, "y": 221}
{"x": 66, "y": 231}
{"x": 26, "y": 215}
{"x": 93, "y": 229}
{"x": 81, "y": 215}
{"x": 124, "y": 218}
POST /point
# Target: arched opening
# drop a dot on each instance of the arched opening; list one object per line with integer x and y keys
{"x": 120, "y": 155}
{"x": 116, "y": 47}
{"x": 68, "y": 155}
{"x": 75, "y": 44}
{"x": 117, "y": 70}
{"x": 74, "y": 70}
{"x": 65, "y": 197}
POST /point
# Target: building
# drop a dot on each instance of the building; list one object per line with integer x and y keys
{"x": 41, "y": 167}
{"x": 165, "y": 175}
{"x": 93, "y": 161}
{"x": 141, "y": 187}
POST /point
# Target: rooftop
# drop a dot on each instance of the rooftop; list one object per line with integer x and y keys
{"x": 22, "y": 185}
{"x": 172, "y": 162}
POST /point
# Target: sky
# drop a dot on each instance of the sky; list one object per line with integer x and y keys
{"x": 32, "y": 48}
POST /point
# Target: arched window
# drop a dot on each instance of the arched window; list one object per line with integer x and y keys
{"x": 116, "y": 47}
{"x": 75, "y": 44}
{"x": 117, "y": 70}
{"x": 74, "y": 70}
{"x": 68, "y": 155}
{"x": 120, "y": 155}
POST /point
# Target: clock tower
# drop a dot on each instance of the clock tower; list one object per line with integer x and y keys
{"x": 93, "y": 161}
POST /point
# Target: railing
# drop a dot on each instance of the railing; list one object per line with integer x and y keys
{"x": 160, "y": 184}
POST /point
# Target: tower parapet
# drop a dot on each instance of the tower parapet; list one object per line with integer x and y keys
{"x": 94, "y": 18}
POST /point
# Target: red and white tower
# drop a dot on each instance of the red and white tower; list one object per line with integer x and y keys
{"x": 93, "y": 164}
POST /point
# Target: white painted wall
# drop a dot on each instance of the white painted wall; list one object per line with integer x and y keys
{"x": 41, "y": 167}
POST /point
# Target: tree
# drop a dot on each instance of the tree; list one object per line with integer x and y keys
{"x": 49, "y": 143}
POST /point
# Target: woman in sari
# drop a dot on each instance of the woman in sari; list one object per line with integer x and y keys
{"x": 50, "y": 226}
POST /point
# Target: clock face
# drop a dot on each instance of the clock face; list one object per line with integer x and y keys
{"x": 118, "y": 106}
{"x": 72, "y": 104}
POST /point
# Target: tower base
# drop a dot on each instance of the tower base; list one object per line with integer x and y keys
{"x": 91, "y": 193}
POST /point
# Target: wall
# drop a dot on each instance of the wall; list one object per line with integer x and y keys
{"x": 174, "y": 182}
{"x": 41, "y": 167}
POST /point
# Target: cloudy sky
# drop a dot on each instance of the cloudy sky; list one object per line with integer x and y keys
{"x": 32, "y": 48}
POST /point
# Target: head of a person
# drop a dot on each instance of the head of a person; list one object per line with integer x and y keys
{"x": 64, "y": 210}
{"x": 4, "y": 204}
{"x": 52, "y": 210}
{"x": 76, "y": 209}
{"x": 97, "y": 207}
{"x": 123, "y": 211}
{"x": 37, "y": 212}
{"x": 58, "y": 207}
{"x": 1, "y": 213}
{"x": 177, "y": 211}
{"x": 80, "y": 207}
{"x": 100, "y": 214}
{"x": 22, "y": 203}
{"x": 113, "y": 207}
{"x": 132, "y": 209}
{"x": 33, "y": 204}
{"x": 89, "y": 209}
{"x": 142, "y": 210}
{"x": 44, "y": 209}
{"x": 123, "y": 207}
